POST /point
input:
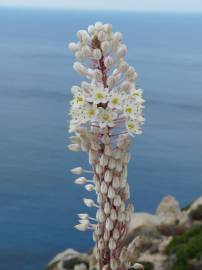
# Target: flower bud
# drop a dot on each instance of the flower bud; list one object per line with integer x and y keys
{"x": 108, "y": 28}
{"x": 98, "y": 75}
{"x": 108, "y": 150}
{"x": 73, "y": 47}
{"x": 81, "y": 226}
{"x": 101, "y": 36}
{"x": 117, "y": 154}
{"x": 108, "y": 176}
{"x": 105, "y": 267}
{"x": 86, "y": 51}
{"x": 88, "y": 202}
{"x": 112, "y": 244}
{"x": 99, "y": 26}
{"x": 101, "y": 244}
{"x": 114, "y": 264}
{"x": 115, "y": 182}
{"x": 113, "y": 214}
{"x": 116, "y": 234}
{"x": 106, "y": 46}
{"x": 123, "y": 254}
{"x": 121, "y": 51}
{"x": 103, "y": 187}
{"x": 119, "y": 165}
{"x": 118, "y": 36}
{"x": 83, "y": 36}
{"x": 117, "y": 201}
{"x": 106, "y": 235}
{"x": 100, "y": 198}
{"x": 112, "y": 163}
{"x": 100, "y": 215}
{"x": 89, "y": 187}
{"x": 138, "y": 266}
{"x": 91, "y": 29}
{"x": 74, "y": 147}
{"x": 108, "y": 62}
{"x": 95, "y": 146}
{"x": 83, "y": 216}
{"x": 111, "y": 193}
{"x": 80, "y": 68}
{"x": 105, "y": 139}
{"x": 125, "y": 86}
{"x": 107, "y": 208}
{"x": 103, "y": 160}
{"x": 77, "y": 170}
{"x": 121, "y": 217}
{"x": 97, "y": 54}
{"x": 111, "y": 81}
{"x": 80, "y": 181}
{"x": 98, "y": 168}
{"x": 80, "y": 57}
{"x": 122, "y": 67}
{"x": 75, "y": 139}
{"x": 109, "y": 224}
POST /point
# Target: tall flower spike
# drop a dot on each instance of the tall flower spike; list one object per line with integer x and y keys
{"x": 104, "y": 111}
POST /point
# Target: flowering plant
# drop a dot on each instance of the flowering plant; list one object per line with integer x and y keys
{"x": 105, "y": 110}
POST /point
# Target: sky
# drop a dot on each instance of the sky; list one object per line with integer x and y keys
{"x": 136, "y": 5}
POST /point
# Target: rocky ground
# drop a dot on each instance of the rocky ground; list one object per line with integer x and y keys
{"x": 169, "y": 240}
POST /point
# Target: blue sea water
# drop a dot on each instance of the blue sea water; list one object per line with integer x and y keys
{"x": 38, "y": 200}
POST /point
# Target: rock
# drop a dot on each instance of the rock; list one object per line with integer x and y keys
{"x": 69, "y": 259}
{"x": 195, "y": 210}
{"x": 143, "y": 219}
{"x": 169, "y": 211}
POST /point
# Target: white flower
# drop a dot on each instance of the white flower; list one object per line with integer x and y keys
{"x": 99, "y": 95}
{"x": 137, "y": 94}
{"x": 106, "y": 117}
{"x": 78, "y": 100}
{"x": 115, "y": 100}
{"x": 129, "y": 109}
{"x": 133, "y": 127}
{"x": 90, "y": 111}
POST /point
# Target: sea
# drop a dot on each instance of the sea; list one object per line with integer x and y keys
{"x": 38, "y": 199}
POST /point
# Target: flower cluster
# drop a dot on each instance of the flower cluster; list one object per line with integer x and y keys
{"x": 109, "y": 97}
{"x": 105, "y": 109}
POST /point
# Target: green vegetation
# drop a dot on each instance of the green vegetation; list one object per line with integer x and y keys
{"x": 185, "y": 248}
{"x": 147, "y": 265}
{"x": 196, "y": 214}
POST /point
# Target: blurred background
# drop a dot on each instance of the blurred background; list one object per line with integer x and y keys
{"x": 38, "y": 200}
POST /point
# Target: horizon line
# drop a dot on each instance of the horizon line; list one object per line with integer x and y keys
{"x": 65, "y": 8}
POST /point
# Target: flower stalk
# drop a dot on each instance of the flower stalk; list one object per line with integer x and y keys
{"x": 104, "y": 111}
